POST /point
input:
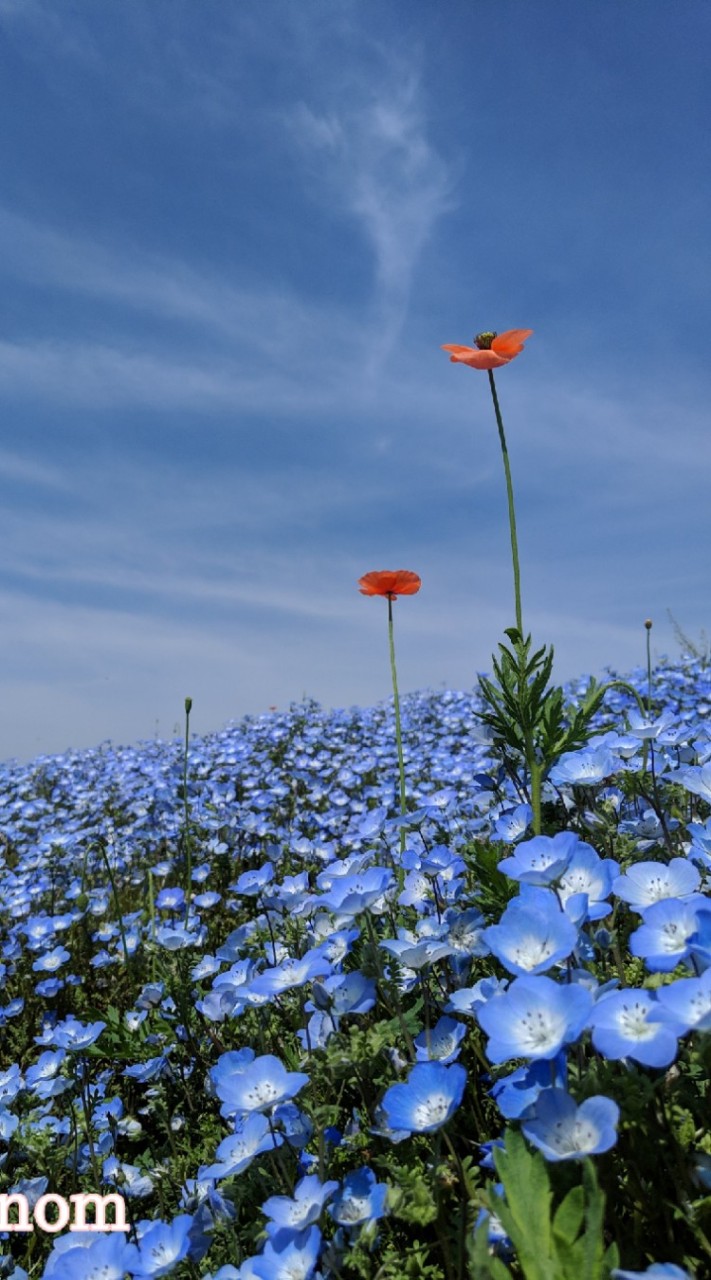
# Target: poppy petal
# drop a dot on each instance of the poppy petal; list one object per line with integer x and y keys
{"x": 510, "y": 344}
{"x": 475, "y": 358}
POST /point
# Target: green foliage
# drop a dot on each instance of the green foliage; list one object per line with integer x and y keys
{"x": 562, "y": 1244}
{"x": 528, "y": 716}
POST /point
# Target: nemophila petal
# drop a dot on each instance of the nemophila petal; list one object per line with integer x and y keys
{"x": 442, "y": 1042}
{"x": 562, "y": 1130}
{"x": 534, "y": 1018}
{"x": 650, "y": 882}
{"x": 533, "y": 933}
{"x": 686, "y": 1003}
{"x": 663, "y": 940}
{"x": 427, "y": 1099}
{"x": 622, "y": 1028}
{"x": 541, "y": 860}
{"x": 360, "y": 1199}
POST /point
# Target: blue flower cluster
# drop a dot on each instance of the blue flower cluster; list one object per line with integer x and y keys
{"x": 513, "y": 978}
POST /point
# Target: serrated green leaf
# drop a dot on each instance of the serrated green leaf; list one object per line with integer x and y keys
{"x": 525, "y": 1214}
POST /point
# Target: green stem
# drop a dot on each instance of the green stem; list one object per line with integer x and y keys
{"x": 512, "y": 509}
{"x": 117, "y": 901}
{"x": 186, "y": 807}
{"x": 648, "y": 628}
{"x": 398, "y": 725}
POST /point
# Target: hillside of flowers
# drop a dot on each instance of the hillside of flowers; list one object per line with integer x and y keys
{"x": 304, "y": 1034}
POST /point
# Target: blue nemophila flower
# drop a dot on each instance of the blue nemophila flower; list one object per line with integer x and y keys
{"x": 585, "y": 768}
{"x": 562, "y": 1130}
{"x": 293, "y": 972}
{"x": 650, "y": 882}
{"x": 235, "y": 1154}
{"x": 541, "y": 860}
{"x": 360, "y": 1200}
{"x": 344, "y": 993}
{"x": 76, "y": 1036}
{"x": 534, "y": 1018}
{"x": 441, "y": 1043}
{"x": 416, "y": 955}
{"x": 663, "y": 940}
{"x": 87, "y": 1255}
{"x": 297, "y": 1127}
{"x": 287, "y": 1256}
{"x": 310, "y": 1195}
{"x": 251, "y": 883}
{"x": 622, "y": 1028}
{"x": 175, "y": 937}
{"x": 52, "y": 960}
{"x": 161, "y": 1246}
{"x": 685, "y": 1003}
{"x": 256, "y": 1085}
{"x": 533, "y": 933}
{"x": 517, "y": 1091}
{"x": 351, "y": 894}
{"x": 427, "y": 1099}
{"x": 8, "y": 1125}
{"x": 513, "y": 824}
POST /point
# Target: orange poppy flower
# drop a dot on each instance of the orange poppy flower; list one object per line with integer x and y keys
{"x": 390, "y": 582}
{"x": 491, "y": 350}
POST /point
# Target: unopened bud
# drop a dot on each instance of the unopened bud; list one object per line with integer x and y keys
{"x": 648, "y": 624}
{"x": 188, "y": 706}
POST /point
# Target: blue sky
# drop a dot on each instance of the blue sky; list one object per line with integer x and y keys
{"x": 232, "y": 239}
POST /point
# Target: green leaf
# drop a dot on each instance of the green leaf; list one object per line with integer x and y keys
{"x": 526, "y": 1214}
{"x": 569, "y": 1216}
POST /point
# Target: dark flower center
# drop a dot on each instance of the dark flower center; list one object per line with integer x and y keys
{"x": 484, "y": 340}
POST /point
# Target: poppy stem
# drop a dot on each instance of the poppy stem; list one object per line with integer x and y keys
{"x": 398, "y": 725}
{"x": 512, "y": 509}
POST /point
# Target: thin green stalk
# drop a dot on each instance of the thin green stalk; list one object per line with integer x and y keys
{"x": 117, "y": 903}
{"x": 512, "y": 509}
{"x": 534, "y": 770}
{"x": 648, "y": 629}
{"x": 186, "y": 807}
{"x": 398, "y": 725}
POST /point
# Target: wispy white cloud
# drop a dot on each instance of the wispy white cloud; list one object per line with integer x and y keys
{"x": 377, "y": 165}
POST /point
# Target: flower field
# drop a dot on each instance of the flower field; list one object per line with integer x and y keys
{"x": 304, "y": 1035}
